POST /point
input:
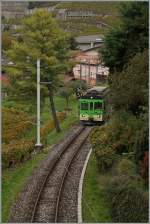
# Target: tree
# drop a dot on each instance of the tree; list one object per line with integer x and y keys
{"x": 129, "y": 88}
{"x": 41, "y": 38}
{"x": 131, "y": 37}
{"x": 141, "y": 146}
{"x": 78, "y": 86}
{"x": 127, "y": 201}
{"x": 66, "y": 92}
{"x": 73, "y": 43}
{"x": 6, "y": 40}
{"x": 114, "y": 48}
{"x": 40, "y": 4}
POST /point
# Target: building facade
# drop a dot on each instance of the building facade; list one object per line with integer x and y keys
{"x": 90, "y": 68}
{"x": 74, "y": 14}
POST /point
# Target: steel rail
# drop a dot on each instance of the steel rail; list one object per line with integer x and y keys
{"x": 47, "y": 176}
{"x": 63, "y": 179}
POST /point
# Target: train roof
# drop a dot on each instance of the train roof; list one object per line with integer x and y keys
{"x": 97, "y": 92}
{"x": 97, "y": 89}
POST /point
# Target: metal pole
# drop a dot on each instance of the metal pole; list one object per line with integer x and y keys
{"x": 80, "y": 70}
{"x": 97, "y": 70}
{"x": 80, "y": 73}
{"x": 97, "y": 67}
{"x": 89, "y": 73}
{"x": 38, "y": 104}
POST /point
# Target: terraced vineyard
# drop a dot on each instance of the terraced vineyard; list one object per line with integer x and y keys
{"x": 107, "y": 15}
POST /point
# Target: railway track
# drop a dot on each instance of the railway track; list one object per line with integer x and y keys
{"x": 56, "y": 198}
{"x": 47, "y": 207}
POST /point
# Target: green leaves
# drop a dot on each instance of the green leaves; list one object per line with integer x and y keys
{"x": 130, "y": 87}
{"x": 6, "y": 40}
{"x": 126, "y": 199}
{"x": 66, "y": 92}
{"x": 123, "y": 42}
{"x": 40, "y": 38}
{"x": 114, "y": 48}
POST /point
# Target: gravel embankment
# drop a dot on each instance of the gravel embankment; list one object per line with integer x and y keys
{"x": 21, "y": 211}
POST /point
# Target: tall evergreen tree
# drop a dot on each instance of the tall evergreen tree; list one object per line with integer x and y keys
{"x": 131, "y": 37}
{"x": 41, "y": 39}
{"x": 129, "y": 87}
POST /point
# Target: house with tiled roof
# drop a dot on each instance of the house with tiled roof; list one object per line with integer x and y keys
{"x": 89, "y": 65}
{"x": 90, "y": 41}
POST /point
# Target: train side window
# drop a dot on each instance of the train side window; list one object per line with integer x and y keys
{"x": 97, "y": 105}
{"x": 84, "y": 106}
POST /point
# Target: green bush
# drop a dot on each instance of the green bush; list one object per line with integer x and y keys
{"x": 75, "y": 85}
{"x": 99, "y": 137}
{"x": 119, "y": 133}
{"x": 105, "y": 158}
{"x": 16, "y": 152}
{"x": 126, "y": 199}
{"x": 104, "y": 153}
{"x": 15, "y": 124}
{"x": 125, "y": 167}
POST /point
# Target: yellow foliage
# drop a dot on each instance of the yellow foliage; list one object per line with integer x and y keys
{"x": 15, "y": 124}
{"x": 16, "y": 149}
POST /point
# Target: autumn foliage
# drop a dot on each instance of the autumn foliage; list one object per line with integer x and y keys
{"x": 15, "y": 124}
{"x": 17, "y": 143}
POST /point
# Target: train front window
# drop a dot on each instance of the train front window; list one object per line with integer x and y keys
{"x": 98, "y": 105}
{"x": 91, "y": 105}
{"x": 84, "y": 106}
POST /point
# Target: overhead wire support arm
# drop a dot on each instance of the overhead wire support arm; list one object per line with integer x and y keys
{"x": 45, "y": 82}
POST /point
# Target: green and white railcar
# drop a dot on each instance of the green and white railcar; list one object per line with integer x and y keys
{"x": 94, "y": 105}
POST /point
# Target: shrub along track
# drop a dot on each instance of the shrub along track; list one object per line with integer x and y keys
{"x": 51, "y": 194}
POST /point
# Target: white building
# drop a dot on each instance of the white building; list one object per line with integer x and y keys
{"x": 90, "y": 68}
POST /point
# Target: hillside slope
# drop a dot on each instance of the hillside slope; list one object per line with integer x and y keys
{"x": 107, "y": 15}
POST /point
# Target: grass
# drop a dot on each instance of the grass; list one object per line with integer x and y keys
{"x": 83, "y": 28}
{"x": 94, "y": 206}
{"x": 14, "y": 179}
{"x": 60, "y": 105}
{"x": 72, "y": 118}
{"x": 100, "y": 7}
{"x": 86, "y": 26}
